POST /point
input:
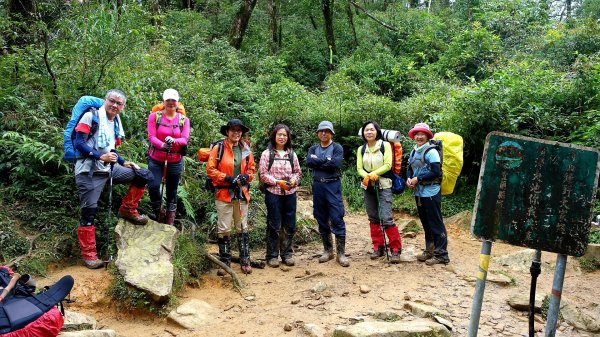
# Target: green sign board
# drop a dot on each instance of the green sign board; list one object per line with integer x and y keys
{"x": 536, "y": 193}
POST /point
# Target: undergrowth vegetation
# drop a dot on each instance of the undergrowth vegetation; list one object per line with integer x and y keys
{"x": 508, "y": 66}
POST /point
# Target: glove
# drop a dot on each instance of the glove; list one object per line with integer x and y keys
{"x": 293, "y": 183}
{"x": 283, "y": 185}
{"x": 166, "y": 146}
{"x": 373, "y": 177}
{"x": 365, "y": 181}
{"x": 169, "y": 140}
{"x": 229, "y": 179}
{"x": 243, "y": 179}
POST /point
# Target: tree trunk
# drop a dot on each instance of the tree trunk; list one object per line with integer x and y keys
{"x": 273, "y": 9}
{"x": 413, "y": 3}
{"x": 240, "y": 23}
{"x": 351, "y": 22}
{"x": 327, "y": 6}
{"x": 23, "y": 8}
{"x": 569, "y": 8}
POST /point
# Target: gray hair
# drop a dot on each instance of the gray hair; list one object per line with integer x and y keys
{"x": 116, "y": 92}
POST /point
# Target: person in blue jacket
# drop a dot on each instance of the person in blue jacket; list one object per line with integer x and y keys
{"x": 325, "y": 160}
{"x": 424, "y": 177}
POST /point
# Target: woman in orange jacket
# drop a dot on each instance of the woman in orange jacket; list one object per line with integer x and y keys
{"x": 231, "y": 168}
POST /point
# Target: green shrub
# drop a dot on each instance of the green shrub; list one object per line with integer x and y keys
{"x": 589, "y": 264}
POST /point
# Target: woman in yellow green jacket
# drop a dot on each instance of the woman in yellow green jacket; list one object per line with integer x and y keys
{"x": 373, "y": 163}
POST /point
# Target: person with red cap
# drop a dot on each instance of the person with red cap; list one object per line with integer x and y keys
{"x": 424, "y": 177}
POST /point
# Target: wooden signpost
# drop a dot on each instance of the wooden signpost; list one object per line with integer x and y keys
{"x": 538, "y": 194}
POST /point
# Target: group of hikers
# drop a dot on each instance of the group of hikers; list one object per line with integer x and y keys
{"x": 231, "y": 168}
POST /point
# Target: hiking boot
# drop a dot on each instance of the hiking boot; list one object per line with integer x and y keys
{"x": 437, "y": 260}
{"x": 327, "y": 249}
{"x": 426, "y": 254}
{"x": 170, "y": 218}
{"x": 340, "y": 243}
{"x": 273, "y": 262}
{"x": 395, "y": 257}
{"x": 93, "y": 264}
{"x": 378, "y": 253}
{"x": 128, "y": 209}
{"x": 289, "y": 261}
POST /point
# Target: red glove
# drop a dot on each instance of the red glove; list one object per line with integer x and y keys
{"x": 365, "y": 180}
{"x": 373, "y": 177}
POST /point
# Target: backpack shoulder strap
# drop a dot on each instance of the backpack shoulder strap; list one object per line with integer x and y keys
{"x": 181, "y": 120}
{"x": 158, "y": 118}
{"x": 292, "y": 153}
{"x": 271, "y": 158}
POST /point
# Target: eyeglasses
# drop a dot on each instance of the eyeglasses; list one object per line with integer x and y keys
{"x": 114, "y": 102}
{"x": 236, "y": 130}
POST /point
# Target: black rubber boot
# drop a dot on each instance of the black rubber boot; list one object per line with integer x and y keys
{"x": 244, "y": 249}
{"x": 224, "y": 252}
{"x": 286, "y": 247}
{"x": 340, "y": 244}
{"x": 327, "y": 249}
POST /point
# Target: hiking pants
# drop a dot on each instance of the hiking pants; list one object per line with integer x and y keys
{"x": 171, "y": 180}
{"x": 385, "y": 206}
{"x": 430, "y": 213}
{"x": 229, "y": 216}
{"x": 328, "y": 207}
{"x": 281, "y": 224}
{"x": 90, "y": 187}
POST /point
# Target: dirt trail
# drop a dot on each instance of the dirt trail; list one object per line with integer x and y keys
{"x": 265, "y": 305}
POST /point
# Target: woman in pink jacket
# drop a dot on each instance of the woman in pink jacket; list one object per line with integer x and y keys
{"x": 168, "y": 133}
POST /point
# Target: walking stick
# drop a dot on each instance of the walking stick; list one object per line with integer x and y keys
{"x": 110, "y": 190}
{"x": 163, "y": 181}
{"x": 376, "y": 187}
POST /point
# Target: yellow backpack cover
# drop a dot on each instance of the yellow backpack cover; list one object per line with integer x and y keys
{"x": 452, "y": 159}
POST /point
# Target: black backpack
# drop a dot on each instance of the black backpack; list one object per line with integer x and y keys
{"x": 262, "y": 186}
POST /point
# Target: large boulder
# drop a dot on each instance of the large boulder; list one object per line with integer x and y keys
{"x": 144, "y": 256}
{"x": 461, "y": 220}
{"x": 579, "y": 319}
{"x": 420, "y": 328}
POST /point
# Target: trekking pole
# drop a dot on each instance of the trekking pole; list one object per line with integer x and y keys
{"x": 163, "y": 181}
{"x": 110, "y": 190}
{"x": 535, "y": 271}
{"x": 376, "y": 187}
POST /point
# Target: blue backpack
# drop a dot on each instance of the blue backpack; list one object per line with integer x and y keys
{"x": 84, "y": 104}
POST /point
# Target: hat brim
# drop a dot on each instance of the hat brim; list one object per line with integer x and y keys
{"x": 412, "y": 132}
{"x": 328, "y": 129}
{"x": 225, "y": 127}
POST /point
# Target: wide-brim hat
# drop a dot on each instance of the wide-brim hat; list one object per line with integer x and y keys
{"x": 420, "y": 127}
{"x": 233, "y": 122}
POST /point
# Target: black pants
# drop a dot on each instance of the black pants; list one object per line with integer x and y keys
{"x": 430, "y": 213}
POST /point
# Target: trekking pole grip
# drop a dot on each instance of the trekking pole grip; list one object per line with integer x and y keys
{"x": 112, "y": 163}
